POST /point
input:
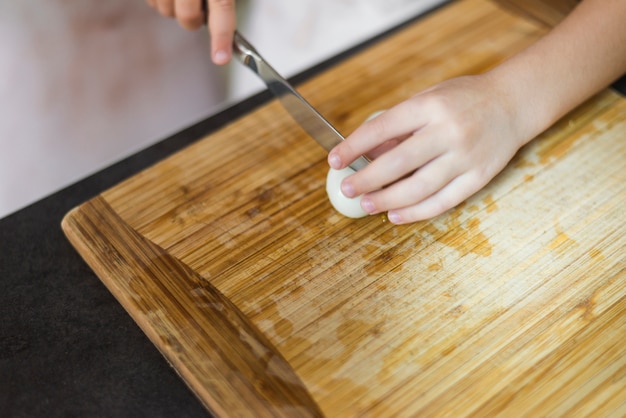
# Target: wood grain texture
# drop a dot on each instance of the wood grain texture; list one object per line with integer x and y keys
{"x": 513, "y": 303}
{"x": 547, "y": 12}
{"x": 171, "y": 300}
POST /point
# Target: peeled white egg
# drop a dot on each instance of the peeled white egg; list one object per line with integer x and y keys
{"x": 344, "y": 205}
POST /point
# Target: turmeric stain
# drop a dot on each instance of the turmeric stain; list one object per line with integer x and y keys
{"x": 436, "y": 266}
{"x": 562, "y": 242}
{"x": 529, "y": 177}
{"x": 490, "y": 204}
{"x": 431, "y": 229}
{"x": 586, "y": 308}
{"x": 304, "y": 357}
{"x": 456, "y": 312}
{"x": 279, "y": 324}
{"x": 522, "y": 163}
{"x": 557, "y": 150}
{"x": 350, "y": 331}
{"x": 596, "y": 254}
{"x": 465, "y": 238}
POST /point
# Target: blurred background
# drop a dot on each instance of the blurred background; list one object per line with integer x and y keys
{"x": 86, "y": 83}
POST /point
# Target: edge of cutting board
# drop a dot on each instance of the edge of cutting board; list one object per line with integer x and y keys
{"x": 244, "y": 370}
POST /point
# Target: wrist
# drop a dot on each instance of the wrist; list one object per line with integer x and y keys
{"x": 531, "y": 97}
{"x": 524, "y": 108}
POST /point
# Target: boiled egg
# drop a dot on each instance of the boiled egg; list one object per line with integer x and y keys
{"x": 344, "y": 205}
{"x": 350, "y": 207}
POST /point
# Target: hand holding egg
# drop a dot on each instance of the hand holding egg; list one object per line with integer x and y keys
{"x": 434, "y": 150}
{"x": 350, "y": 207}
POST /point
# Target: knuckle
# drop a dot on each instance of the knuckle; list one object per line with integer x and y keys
{"x": 440, "y": 205}
{"x": 437, "y": 104}
{"x": 478, "y": 178}
{"x": 460, "y": 133}
{"x": 456, "y": 126}
{"x": 223, "y": 5}
{"x": 189, "y": 22}
{"x": 438, "y": 208}
{"x": 400, "y": 162}
{"x": 166, "y": 8}
{"x": 377, "y": 127}
{"x": 418, "y": 188}
{"x": 346, "y": 151}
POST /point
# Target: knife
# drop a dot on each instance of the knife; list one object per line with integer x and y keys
{"x": 299, "y": 109}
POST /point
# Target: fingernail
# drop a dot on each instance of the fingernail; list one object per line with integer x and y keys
{"x": 334, "y": 161}
{"x": 367, "y": 205}
{"x": 394, "y": 217}
{"x": 221, "y": 57}
{"x": 347, "y": 189}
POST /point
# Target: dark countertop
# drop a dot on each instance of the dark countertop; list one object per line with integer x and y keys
{"x": 67, "y": 347}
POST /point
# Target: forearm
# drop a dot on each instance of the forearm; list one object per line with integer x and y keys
{"x": 579, "y": 57}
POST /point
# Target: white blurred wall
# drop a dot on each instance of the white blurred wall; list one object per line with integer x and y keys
{"x": 85, "y": 83}
{"x": 295, "y": 35}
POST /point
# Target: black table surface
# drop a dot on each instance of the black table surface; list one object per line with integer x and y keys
{"x": 67, "y": 347}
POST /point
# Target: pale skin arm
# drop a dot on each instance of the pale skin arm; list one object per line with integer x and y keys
{"x": 190, "y": 15}
{"x": 439, "y": 147}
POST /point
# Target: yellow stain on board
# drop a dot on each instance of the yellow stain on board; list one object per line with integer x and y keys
{"x": 562, "y": 242}
{"x": 465, "y": 237}
{"x": 490, "y": 204}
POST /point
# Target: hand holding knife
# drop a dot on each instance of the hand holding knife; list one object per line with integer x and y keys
{"x": 299, "y": 109}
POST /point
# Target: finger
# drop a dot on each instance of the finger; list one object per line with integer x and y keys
{"x": 411, "y": 190}
{"x": 386, "y": 146}
{"x": 222, "y": 23}
{"x": 166, "y": 7}
{"x": 394, "y": 164}
{"x": 455, "y": 192}
{"x": 189, "y": 13}
{"x": 397, "y": 122}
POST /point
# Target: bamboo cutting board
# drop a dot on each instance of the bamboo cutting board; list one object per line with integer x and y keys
{"x": 269, "y": 303}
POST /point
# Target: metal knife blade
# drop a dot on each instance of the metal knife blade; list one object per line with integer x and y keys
{"x": 303, "y": 113}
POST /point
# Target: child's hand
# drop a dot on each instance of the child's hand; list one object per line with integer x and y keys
{"x": 432, "y": 151}
{"x": 190, "y": 15}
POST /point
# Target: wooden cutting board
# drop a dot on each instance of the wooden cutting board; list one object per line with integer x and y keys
{"x": 269, "y": 303}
